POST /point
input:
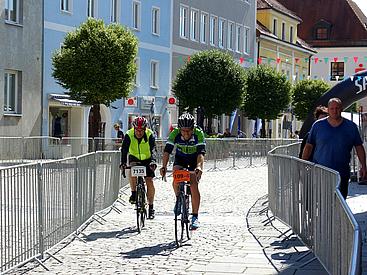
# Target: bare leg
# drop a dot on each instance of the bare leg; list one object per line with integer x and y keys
{"x": 150, "y": 190}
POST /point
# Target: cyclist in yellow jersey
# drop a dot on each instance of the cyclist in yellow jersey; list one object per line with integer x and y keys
{"x": 139, "y": 146}
{"x": 190, "y": 151}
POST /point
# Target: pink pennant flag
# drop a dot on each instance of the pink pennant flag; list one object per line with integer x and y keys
{"x": 355, "y": 59}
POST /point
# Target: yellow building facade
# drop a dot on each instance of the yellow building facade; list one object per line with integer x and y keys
{"x": 280, "y": 48}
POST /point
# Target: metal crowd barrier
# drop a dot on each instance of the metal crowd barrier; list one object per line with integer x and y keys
{"x": 306, "y": 196}
{"x": 42, "y": 203}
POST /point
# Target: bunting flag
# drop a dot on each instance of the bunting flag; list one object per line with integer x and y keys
{"x": 315, "y": 59}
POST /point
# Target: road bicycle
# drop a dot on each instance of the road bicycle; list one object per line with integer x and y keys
{"x": 182, "y": 206}
{"x": 140, "y": 205}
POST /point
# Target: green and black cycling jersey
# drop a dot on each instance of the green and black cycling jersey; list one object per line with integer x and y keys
{"x": 186, "y": 150}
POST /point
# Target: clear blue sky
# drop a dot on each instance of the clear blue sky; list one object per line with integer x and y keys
{"x": 362, "y": 5}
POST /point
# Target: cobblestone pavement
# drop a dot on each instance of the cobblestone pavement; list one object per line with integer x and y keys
{"x": 237, "y": 236}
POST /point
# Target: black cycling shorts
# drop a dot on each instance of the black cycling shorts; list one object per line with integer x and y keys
{"x": 190, "y": 165}
{"x": 150, "y": 172}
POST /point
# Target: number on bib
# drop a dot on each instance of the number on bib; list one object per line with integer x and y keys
{"x": 138, "y": 171}
{"x": 180, "y": 176}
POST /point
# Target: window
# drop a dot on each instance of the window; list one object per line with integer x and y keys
{"x": 275, "y": 23}
{"x": 213, "y": 24}
{"x": 321, "y": 33}
{"x": 11, "y": 92}
{"x": 221, "y": 32}
{"x": 246, "y": 43}
{"x": 194, "y": 25}
{"x": 136, "y": 15}
{"x": 230, "y": 35}
{"x": 137, "y": 76}
{"x": 91, "y": 8}
{"x": 154, "y": 74}
{"x": 156, "y": 21}
{"x": 238, "y": 38}
{"x": 12, "y": 11}
{"x": 337, "y": 70}
{"x": 203, "y": 27}
{"x": 183, "y": 21}
{"x": 322, "y": 30}
{"x": 283, "y": 31}
{"x": 114, "y": 11}
{"x": 65, "y": 5}
{"x": 291, "y": 34}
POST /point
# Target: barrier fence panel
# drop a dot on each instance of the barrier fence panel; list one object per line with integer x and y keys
{"x": 306, "y": 197}
{"x": 42, "y": 203}
{"x": 19, "y": 215}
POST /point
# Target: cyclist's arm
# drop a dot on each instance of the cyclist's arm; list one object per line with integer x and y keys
{"x": 125, "y": 149}
{"x": 165, "y": 159}
{"x": 200, "y": 161}
{"x": 153, "y": 150}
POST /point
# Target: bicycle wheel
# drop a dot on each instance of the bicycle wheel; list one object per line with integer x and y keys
{"x": 179, "y": 220}
{"x": 140, "y": 205}
{"x": 187, "y": 221}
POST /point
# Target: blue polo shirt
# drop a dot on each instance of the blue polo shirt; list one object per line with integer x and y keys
{"x": 332, "y": 145}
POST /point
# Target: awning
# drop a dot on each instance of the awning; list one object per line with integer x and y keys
{"x": 64, "y": 99}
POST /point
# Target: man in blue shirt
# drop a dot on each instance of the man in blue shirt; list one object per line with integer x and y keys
{"x": 332, "y": 139}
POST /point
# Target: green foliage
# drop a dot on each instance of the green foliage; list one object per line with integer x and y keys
{"x": 97, "y": 62}
{"x": 305, "y": 94}
{"x": 267, "y": 93}
{"x": 212, "y": 80}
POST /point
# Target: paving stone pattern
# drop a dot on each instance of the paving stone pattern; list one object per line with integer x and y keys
{"x": 237, "y": 236}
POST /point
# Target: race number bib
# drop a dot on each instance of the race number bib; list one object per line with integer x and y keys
{"x": 138, "y": 171}
{"x": 180, "y": 176}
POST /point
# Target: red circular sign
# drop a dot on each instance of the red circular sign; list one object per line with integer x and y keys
{"x": 172, "y": 100}
{"x": 130, "y": 101}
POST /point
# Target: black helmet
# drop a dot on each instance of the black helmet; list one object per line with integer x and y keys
{"x": 186, "y": 120}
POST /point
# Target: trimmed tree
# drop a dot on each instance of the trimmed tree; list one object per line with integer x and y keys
{"x": 267, "y": 94}
{"x": 96, "y": 63}
{"x": 211, "y": 81}
{"x": 304, "y": 95}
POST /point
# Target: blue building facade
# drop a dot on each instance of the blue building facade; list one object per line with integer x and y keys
{"x": 151, "y": 22}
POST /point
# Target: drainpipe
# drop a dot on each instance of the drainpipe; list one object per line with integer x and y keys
{"x": 42, "y": 62}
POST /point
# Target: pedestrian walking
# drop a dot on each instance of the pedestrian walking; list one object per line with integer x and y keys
{"x": 332, "y": 139}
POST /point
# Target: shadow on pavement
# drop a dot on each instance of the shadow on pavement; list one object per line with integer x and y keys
{"x": 163, "y": 249}
{"x": 124, "y": 233}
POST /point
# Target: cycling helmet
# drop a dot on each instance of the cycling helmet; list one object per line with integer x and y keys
{"x": 140, "y": 123}
{"x": 186, "y": 120}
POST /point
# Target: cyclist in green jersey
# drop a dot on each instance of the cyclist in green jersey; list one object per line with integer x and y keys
{"x": 190, "y": 151}
{"x": 139, "y": 145}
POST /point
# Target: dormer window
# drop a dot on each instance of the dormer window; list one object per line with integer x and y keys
{"x": 322, "y": 30}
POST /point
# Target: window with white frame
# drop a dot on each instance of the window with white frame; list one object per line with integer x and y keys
{"x": 91, "y": 8}
{"x": 221, "y": 32}
{"x": 283, "y": 31}
{"x": 114, "y": 11}
{"x": 275, "y": 24}
{"x": 230, "y": 35}
{"x": 194, "y": 25}
{"x": 291, "y": 34}
{"x": 11, "y": 92}
{"x": 156, "y": 20}
{"x": 154, "y": 74}
{"x": 65, "y": 5}
{"x": 183, "y": 21}
{"x": 238, "y": 38}
{"x": 137, "y": 75}
{"x": 213, "y": 26}
{"x": 203, "y": 27}
{"x": 246, "y": 40}
{"x": 12, "y": 11}
{"x": 136, "y": 15}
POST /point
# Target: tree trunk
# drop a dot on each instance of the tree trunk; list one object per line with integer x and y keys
{"x": 262, "y": 131}
{"x": 210, "y": 122}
